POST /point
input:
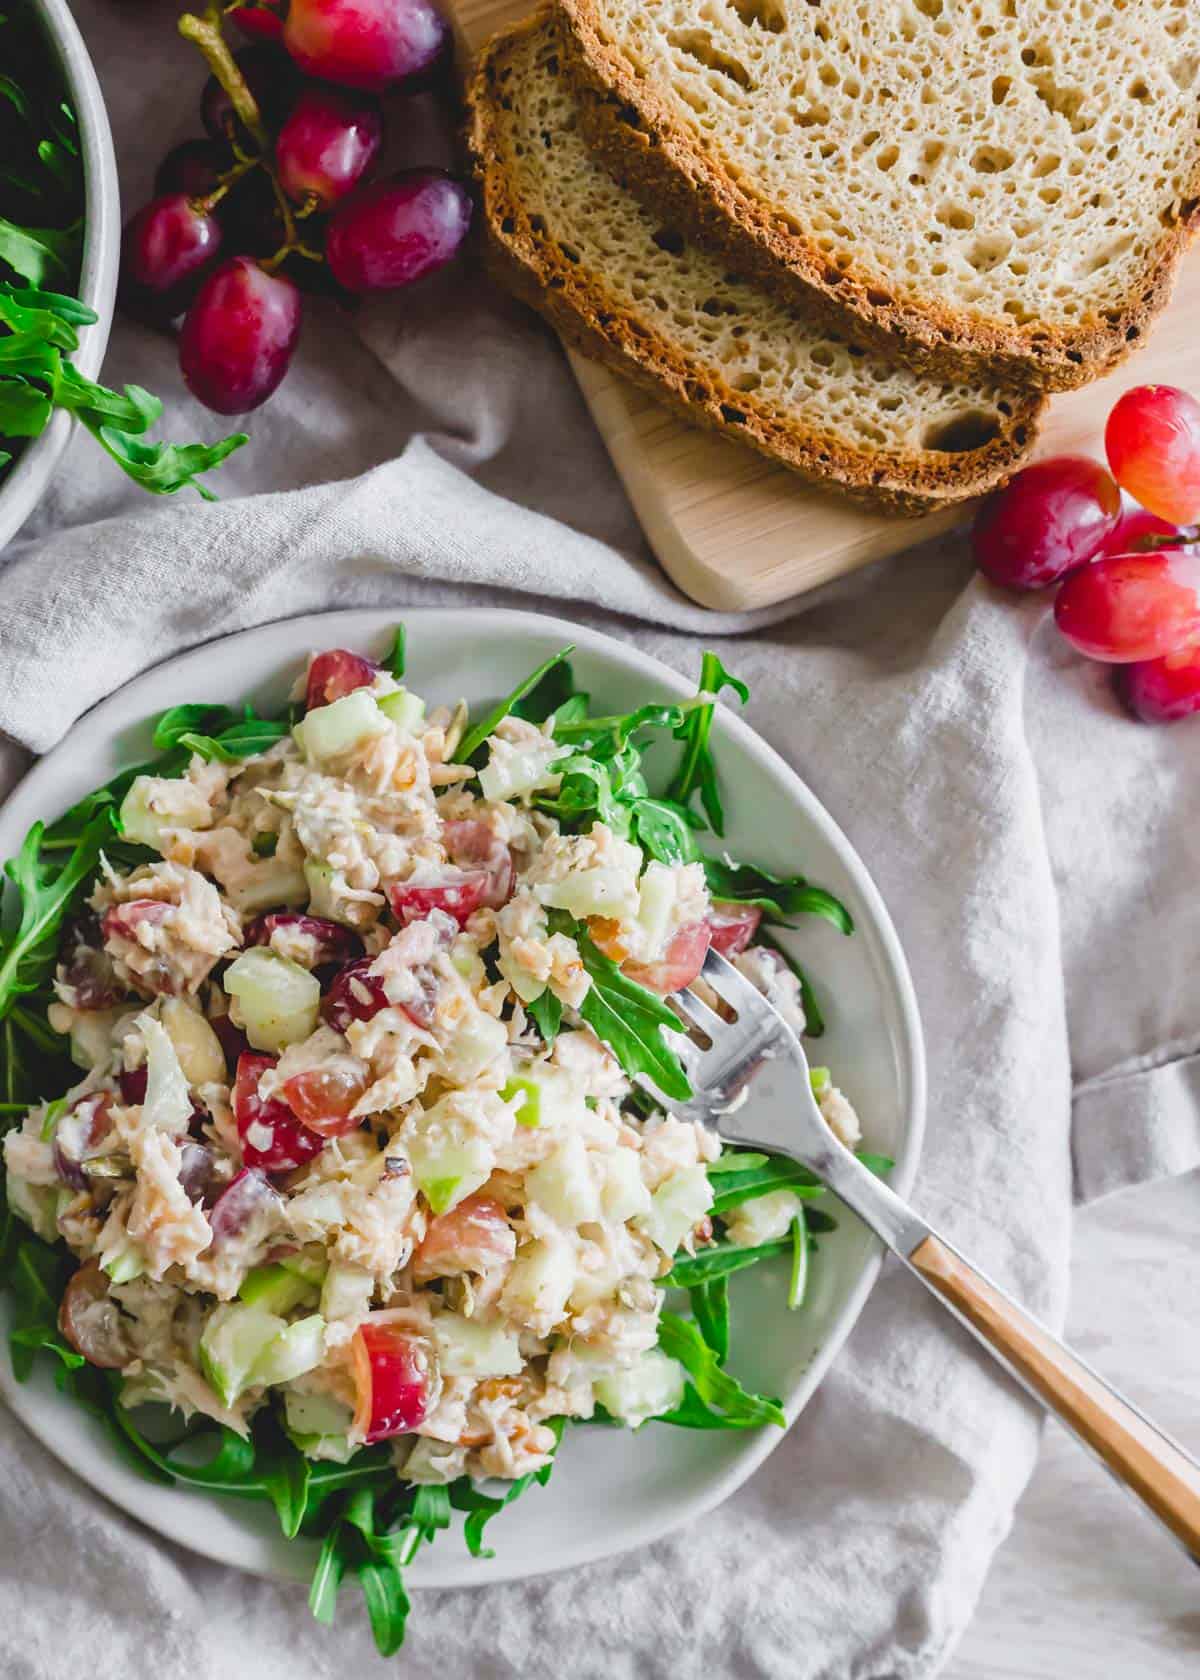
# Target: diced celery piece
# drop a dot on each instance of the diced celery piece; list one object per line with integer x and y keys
{"x": 593, "y": 892}
{"x": 678, "y": 1204}
{"x": 277, "y": 999}
{"x": 405, "y": 709}
{"x": 624, "y": 1194}
{"x": 529, "y": 1110}
{"x": 127, "y": 1263}
{"x": 310, "y": 1267}
{"x": 331, "y": 732}
{"x": 820, "y": 1080}
{"x": 275, "y": 1288}
{"x": 316, "y": 1414}
{"x": 347, "y": 1292}
{"x": 267, "y": 885}
{"x": 296, "y": 1349}
{"x": 563, "y": 1185}
{"x": 234, "y": 1340}
{"x": 654, "y": 1384}
{"x": 318, "y": 878}
{"x": 467, "y": 1348}
{"x": 92, "y": 1036}
{"x": 54, "y": 1113}
{"x": 446, "y": 1169}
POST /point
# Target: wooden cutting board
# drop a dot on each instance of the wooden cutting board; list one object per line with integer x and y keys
{"x": 732, "y": 530}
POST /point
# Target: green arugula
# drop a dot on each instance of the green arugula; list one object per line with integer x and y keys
{"x": 546, "y": 1014}
{"x": 709, "y": 1300}
{"x": 41, "y": 237}
{"x": 474, "y": 738}
{"x": 626, "y": 1016}
{"x": 697, "y": 770}
{"x": 732, "y": 1406}
{"x": 777, "y": 896}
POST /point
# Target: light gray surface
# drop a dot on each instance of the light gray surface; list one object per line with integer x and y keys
{"x": 1036, "y": 851}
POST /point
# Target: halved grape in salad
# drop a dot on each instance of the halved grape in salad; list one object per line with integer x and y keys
{"x": 326, "y": 1039}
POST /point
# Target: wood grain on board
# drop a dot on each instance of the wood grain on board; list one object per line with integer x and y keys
{"x": 734, "y": 531}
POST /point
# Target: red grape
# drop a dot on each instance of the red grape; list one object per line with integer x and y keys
{"x": 336, "y": 673}
{"x": 1153, "y": 444}
{"x": 354, "y": 995}
{"x": 1132, "y": 606}
{"x": 732, "y": 926}
{"x": 678, "y": 966}
{"x": 249, "y": 215}
{"x": 246, "y": 1209}
{"x": 165, "y": 250}
{"x": 260, "y": 19}
{"x": 193, "y": 167}
{"x": 475, "y": 1236}
{"x": 330, "y": 942}
{"x": 459, "y": 894}
{"x": 238, "y": 336}
{"x": 1134, "y": 526}
{"x": 327, "y": 144}
{"x": 396, "y": 231}
{"x": 1048, "y": 519}
{"x": 91, "y": 1322}
{"x": 272, "y": 1137}
{"x": 471, "y": 842}
{"x": 391, "y": 1373}
{"x": 1162, "y": 690}
{"x": 268, "y": 74}
{"x": 367, "y": 44}
{"x": 321, "y": 1098}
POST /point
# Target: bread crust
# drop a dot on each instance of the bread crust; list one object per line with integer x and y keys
{"x": 629, "y": 124}
{"x": 594, "y": 321}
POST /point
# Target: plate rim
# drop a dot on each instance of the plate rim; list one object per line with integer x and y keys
{"x": 105, "y": 1473}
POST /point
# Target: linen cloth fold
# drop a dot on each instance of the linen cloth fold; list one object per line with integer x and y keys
{"x": 1027, "y": 839}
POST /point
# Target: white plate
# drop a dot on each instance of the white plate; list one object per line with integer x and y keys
{"x": 611, "y": 1489}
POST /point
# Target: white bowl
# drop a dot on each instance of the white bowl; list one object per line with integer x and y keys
{"x": 611, "y": 1489}
{"x": 22, "y": 487}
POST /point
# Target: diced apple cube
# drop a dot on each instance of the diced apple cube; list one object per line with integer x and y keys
{"x": 563, "y": 1185}
{"x": 347, "y": 1292}
{"x": 539, "y": 1284}
{"x": 679, "y": 1203}
{"x": 334, "y": 731}
{"x": 156, "y": 803}
{"x": 646, "y": 1389}
{"x": 298, "y": 1348}
{"x": 233, "y": 1341}
{"x": 404, "y": 709}
{"x": 196, "y": 1044}
{"x": 467, "y": 1348}
{"x": 624, "y": 1194}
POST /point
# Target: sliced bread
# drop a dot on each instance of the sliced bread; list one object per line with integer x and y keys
{"x": 1007, "y": 181}
{"x": 628, "y": 290}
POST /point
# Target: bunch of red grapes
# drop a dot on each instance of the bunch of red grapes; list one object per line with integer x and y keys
{"x": 276, "y": 199}
{"x": 1128, "y": 564}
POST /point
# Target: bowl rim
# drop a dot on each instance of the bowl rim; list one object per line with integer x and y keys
{"x": 22, "y": 489}
{"x": 278, "y": 1560}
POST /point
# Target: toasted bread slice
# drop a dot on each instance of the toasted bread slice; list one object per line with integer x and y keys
{"x": 1001, "y": 181}
{"x": 627, "y": 290}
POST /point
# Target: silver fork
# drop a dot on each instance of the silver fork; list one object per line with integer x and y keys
{"x": 751, "y": 1086}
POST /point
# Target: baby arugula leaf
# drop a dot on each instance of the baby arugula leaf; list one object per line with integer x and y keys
{"x": 777, "y": 896}
{"x": 47, "y": 884}
{"x": 710, "y": 1308}
{"x": 681, "y": 1339}
{"x": 243, "y": 739}
{"x": 396, "y": 654}
{"x": 202, "y": 719}
{"x": 742, "y": 1177}
{"x": 697, "y": 769}
{"x": 714, "y": 1265}
{"x": 546, "y": 1014}
{"x": 627, "y": 1017}
{"x": 481, "y": 1507}
{"x": 474, "y": 738}
{"x": 549, "y": 695}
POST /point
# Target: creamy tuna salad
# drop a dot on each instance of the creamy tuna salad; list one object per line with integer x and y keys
{"x": 360, "y": 1168}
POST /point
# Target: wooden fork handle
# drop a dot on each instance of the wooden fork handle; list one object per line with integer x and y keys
{"x": 1152, "y": 1466}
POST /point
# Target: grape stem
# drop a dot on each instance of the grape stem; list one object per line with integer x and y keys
{"x": 206, "y": 33}
{"x": 1186, "y": 537}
